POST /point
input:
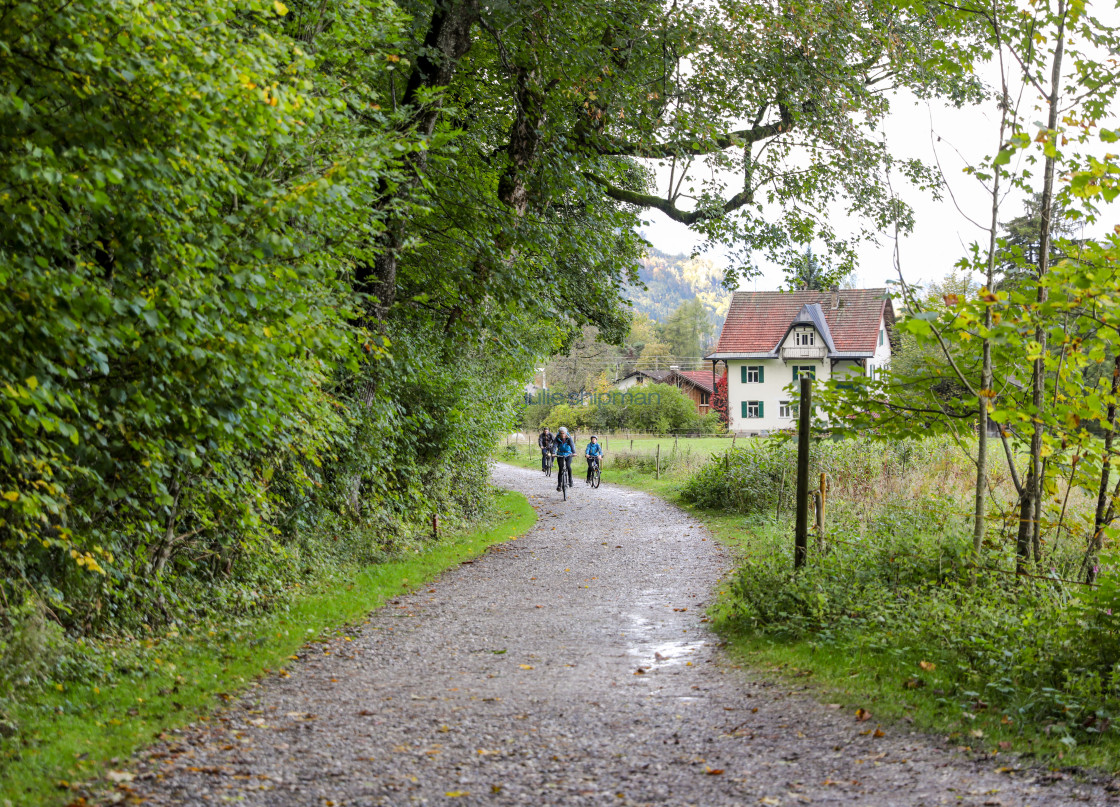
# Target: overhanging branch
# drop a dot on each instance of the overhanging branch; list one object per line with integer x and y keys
{"x": 610, "y": 147}
{"x": 647, "y": 200}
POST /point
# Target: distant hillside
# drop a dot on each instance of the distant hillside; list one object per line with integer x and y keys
{"x": 672, "y": 279}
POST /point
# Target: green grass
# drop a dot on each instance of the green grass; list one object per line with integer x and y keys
{"x": 73, "y": 733}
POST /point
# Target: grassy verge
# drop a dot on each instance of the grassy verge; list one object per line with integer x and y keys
{"x": 74, "y": 733}
{"x": 896, "y": 686}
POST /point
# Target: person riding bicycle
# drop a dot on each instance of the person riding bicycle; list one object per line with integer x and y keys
{"x": 545, "y": 443}
{"x": 594, "y": 454}
{"x": 564, "y": 448}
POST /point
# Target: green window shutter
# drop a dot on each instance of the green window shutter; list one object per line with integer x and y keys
{"x": 760, "y": 410}
{"x": 743, "y": 406}
{"x": 761, "y": 374}
{"x": 743, "y": 374}
{"x": 795, "y": 374}
{"x": 812, "y": 372}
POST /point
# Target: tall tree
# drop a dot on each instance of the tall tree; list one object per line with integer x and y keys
{"x": 687, "y": 331}
{"x": 808, "y": 272}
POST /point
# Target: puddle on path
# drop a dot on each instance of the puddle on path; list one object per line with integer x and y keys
{"x": 651, "y": 649}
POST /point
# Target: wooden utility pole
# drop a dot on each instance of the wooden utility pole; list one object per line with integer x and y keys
{"x": 801, "y": 536}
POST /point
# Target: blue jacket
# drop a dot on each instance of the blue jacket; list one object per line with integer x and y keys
{"x": 563, "y": 446}
{"x": 594, "y": 450}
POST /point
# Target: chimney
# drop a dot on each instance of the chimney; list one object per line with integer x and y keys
{"x": 835, "y": 301}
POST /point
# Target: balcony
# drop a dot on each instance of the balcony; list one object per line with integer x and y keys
{"x": 813, "y": 352}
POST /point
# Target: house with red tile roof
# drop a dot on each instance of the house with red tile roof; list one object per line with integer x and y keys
{"x": 696, "y": 384}
{"x": 771, "y": 338}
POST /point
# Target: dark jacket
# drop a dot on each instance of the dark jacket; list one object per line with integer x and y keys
{"x": 545, "y": 440}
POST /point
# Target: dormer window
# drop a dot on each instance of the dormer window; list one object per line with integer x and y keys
{"x": 805, "y": 338}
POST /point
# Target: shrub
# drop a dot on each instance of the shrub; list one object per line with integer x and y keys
{"x": 744, "y": 479}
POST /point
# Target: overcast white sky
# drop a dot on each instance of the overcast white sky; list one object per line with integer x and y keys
{"x": 941, "y": 234}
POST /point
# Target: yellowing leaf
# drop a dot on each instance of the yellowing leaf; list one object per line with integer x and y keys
{"x": 11, "y": 495}
{"x": 32, "y": 383}
{"x": 928, "y": 666}
{"x": 281, "y": 9}
{"x": 455, "y": 794}
{"x": 526, "y": 666}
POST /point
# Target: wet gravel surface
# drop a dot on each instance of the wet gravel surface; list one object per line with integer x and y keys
{"x": 572, "y": 666}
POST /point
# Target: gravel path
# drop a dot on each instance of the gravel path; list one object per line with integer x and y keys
{"x": 572, "y": 667}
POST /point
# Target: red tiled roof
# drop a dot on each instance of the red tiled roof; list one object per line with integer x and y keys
{"x": 758, "y": 319}
{"x": 698, "y": 378}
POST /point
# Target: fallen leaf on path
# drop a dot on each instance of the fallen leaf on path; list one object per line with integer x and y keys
{"x": 879, "y": 733}
{"x": 119, "y": 777}
{"x": 639, "y": 671}
{"x": 526, "y": 666}
{"x": 770, "y": 800}
{"x": 455, "y": 794}
{"x": 862, "y": 715}
{"x": 712, "y": 771}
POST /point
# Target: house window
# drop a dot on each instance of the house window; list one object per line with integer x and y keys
{"x": 752, "y": 375}
{"x": 809, "y": 370}
{"x": 751, "y": 409}
{"x": 785, "y": 409}
{"x": 807, "y": 338}
{"x": 882, "y": 334}
{"x": 703, "y": 399}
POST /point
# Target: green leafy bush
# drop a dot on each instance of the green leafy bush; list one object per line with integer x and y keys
{"x": 896, "y": 576}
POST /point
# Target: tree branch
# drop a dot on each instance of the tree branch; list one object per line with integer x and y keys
{"x": 610, "y": 147}
{"x": 647, "y": 200}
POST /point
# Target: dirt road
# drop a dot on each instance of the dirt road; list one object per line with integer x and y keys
{"x": 573, "y": 667}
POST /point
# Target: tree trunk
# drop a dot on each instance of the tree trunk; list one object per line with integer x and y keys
{"x": 1099, "y": 518}
{"x": 979, "y": 525}
{"x": 1030, "y": 509}
{"x": 448, "y": 39}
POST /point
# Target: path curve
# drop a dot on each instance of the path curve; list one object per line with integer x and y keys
{"x": 571, "y": 667}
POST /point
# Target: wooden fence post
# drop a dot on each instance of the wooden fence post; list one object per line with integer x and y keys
{"x": 781, "y": 487}
{"x": 823, "y": 497}
{"x": 801, "y": 533}
{"x": 657, "y": 463}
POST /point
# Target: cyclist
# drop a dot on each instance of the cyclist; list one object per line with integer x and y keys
{"x": 544, "y": 441}
{"x": 564, "y": 448}
{"x": 594, "y": 454}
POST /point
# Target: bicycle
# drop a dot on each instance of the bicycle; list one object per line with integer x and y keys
{"x": 595, "y": 472}
{"x": 548, "y": 465}
{"x": 565, "y": 472}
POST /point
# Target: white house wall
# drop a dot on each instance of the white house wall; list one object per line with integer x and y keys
{"x": 882, "y": 352}
{"x": 777, "y": 376}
